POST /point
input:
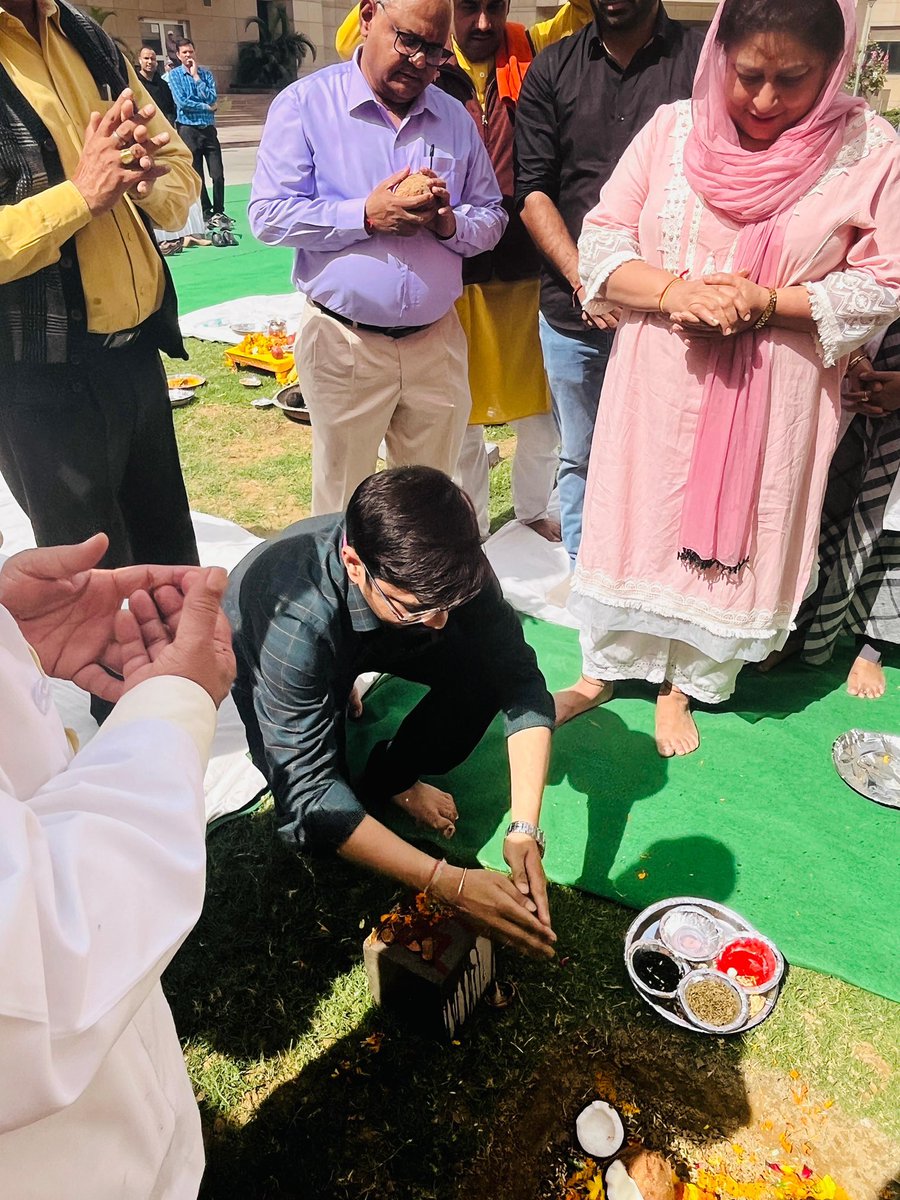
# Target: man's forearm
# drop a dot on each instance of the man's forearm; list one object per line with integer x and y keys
{"x": 169, "y": 203}
{"x": 373, "y": 845}
{"x": 33, "y": 231}
{"x": 529, "y": 759}
{"x": 548, "y": 231}
{"x": 307, "y": 223}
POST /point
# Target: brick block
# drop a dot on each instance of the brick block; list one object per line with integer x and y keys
{"x": 436, "y": 996}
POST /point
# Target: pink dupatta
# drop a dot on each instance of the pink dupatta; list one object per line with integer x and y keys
{"x": 757, "y": 190}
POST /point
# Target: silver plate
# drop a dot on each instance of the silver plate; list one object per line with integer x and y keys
{"x": 870, "y": 764}
{"x": 645, "y": 928}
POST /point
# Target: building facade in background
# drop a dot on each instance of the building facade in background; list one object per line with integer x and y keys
{"x": 218, "y": 27}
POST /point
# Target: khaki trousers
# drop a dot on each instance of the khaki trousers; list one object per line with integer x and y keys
{"x": 360, "y": 388}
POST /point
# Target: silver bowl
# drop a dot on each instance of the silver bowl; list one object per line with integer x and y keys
{"x": 653, "y": 948}
{"x": 691, "y": 933}
{"x": 870, "y": 764}
{"x": 178, "y": 397}
{"x": 296, "y": 411}
{"x": 777, "y": 974}
{"x": 708, "y": 973}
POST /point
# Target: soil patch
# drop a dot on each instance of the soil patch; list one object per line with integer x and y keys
{"x": 708, "y": 1109}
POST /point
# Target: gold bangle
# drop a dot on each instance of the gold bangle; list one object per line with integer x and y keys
{"x": 855, "y": 361}
{"x": 662, "y": 294}
{"x": 461, "y": 884}
{"x": 766, "y": 314}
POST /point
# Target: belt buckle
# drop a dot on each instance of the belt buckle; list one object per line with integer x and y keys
{"x": 118, "y": 341}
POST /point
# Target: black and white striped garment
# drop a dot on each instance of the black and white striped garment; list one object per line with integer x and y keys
{"x": 859, "y": 560}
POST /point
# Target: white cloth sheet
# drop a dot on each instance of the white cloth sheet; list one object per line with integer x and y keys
{"x": 214, "y": 324}
{"x": 533, "y": 572}
{"x": 231, "y": 780}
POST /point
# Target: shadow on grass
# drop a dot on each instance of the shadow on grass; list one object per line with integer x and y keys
{"x": 276, "y": 931}
{"x": 382, "y": 1112}
{"x": 783, "y": 691}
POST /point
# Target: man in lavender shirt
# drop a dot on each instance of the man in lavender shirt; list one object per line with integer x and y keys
{"x": 380, "y": 352}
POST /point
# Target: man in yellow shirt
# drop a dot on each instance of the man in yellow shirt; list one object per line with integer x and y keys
{"x": 86, "y": 302}
{"x": 499, "y": 305}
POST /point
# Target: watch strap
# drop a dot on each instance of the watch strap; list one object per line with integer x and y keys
{"x": 531, "y": 831}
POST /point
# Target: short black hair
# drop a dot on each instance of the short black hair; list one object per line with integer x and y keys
{"x": 819, "y": 24}
{"x": 414, "y": 528}
{"x": 183, "y": 42}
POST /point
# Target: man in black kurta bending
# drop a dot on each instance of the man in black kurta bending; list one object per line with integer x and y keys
{"x": 398, "y": 584}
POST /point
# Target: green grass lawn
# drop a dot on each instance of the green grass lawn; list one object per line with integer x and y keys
{"x": 307, "y": 1091}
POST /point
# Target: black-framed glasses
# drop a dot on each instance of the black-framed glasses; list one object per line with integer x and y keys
{"x": 403, "y": 615}
{"x": 410, "y": 45}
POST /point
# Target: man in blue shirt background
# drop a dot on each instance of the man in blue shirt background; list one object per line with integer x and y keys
{"x": 194, "y": 91}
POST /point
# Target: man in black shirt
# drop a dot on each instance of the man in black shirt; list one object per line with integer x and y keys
{"x": 398, "y": 584}
{"x": 150, "y": 77}
{"x": 582, "y": 102}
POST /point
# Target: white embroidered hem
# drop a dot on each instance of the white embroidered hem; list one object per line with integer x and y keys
{"x": 599, "y": 274}
{"x": 650, "y": 600}
{"x": 656, "y": 660}
{"x": 598, "y": 620}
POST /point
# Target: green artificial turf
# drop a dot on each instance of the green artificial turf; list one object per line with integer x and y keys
{"x": 206, "y": 275}
{"x": 757, "y": 819}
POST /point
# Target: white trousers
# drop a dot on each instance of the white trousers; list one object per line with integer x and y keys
{"x": 533, "y": 468}
{"x": 624, "y": 655}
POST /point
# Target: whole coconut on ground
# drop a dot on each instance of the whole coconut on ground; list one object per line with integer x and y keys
{"x": 651, "y": 1172}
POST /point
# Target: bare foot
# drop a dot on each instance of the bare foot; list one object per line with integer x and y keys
{"x": 354, "y": 705}
{"x": 580, "y": 698}
{"x": 547, "y": 527}
{"x": 866, "y": 679}
{"x": 429, "y": 806}
{"x": 791, "y": 647}
{"x": 676, "y": 733}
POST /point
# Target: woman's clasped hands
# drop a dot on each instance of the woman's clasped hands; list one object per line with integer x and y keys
{"x": 719, "y": 305}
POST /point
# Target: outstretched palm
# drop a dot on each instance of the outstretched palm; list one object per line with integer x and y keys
{"x": 66, "y": 611}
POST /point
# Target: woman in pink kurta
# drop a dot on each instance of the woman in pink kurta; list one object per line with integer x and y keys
{"x": 751, "y": 237}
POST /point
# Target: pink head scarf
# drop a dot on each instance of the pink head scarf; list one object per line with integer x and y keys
{"x": 757, "y": 190}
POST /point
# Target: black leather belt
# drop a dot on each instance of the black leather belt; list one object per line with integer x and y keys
{"x": 111, "y": 341}
{"x": 391, "y": 331}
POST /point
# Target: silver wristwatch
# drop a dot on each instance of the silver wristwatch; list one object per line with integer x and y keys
{"x": 531, "y": 830}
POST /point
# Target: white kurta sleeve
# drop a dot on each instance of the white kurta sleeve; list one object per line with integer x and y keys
{"x": 849, "y": 307}
{"x": 101, "y": 879}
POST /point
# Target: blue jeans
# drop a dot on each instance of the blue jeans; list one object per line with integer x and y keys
{"x": 575, "y": 368}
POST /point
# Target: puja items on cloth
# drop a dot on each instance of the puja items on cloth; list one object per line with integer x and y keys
{"x": 272, "y": 351}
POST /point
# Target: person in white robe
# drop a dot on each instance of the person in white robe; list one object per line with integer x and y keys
{"x": 102, "y": 870}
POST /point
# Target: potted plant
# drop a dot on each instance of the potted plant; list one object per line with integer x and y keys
{"x": 273, "y": 61}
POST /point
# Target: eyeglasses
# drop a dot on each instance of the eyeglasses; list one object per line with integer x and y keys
{"x": 403, "y": 615}
{"x": 410, "y": 45}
